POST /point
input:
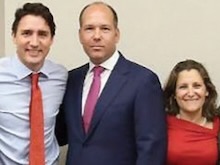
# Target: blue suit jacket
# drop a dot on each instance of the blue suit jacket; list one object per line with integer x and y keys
{"x": 128, "y": 127}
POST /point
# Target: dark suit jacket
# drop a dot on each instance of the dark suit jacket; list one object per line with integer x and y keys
{"x": 128, "y": 127}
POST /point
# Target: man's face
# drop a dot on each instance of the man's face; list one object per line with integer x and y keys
{"x": 33, "y": 40}
{"x": 98, "y": 34}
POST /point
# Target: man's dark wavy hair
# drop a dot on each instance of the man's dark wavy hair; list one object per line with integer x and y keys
{"x": 36, "y": 9}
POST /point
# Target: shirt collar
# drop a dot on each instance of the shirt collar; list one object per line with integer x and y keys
{"x": 22, "y": 71}
{"x": 108, "y": 64}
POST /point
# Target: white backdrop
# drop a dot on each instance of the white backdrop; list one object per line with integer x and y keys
{"x": 2, "y": 28}
{"x": 154, "y": 33}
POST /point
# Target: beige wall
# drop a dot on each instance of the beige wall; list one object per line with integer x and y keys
{"x": 155, "y": 33}
{"x": 2, "y": 28}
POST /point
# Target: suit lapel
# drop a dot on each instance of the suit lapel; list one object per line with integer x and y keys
{"x": 77, "y": 98}
{"x": 113, "y": 85}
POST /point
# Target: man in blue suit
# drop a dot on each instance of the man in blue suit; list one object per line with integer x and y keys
{"x": 128, "y": 123}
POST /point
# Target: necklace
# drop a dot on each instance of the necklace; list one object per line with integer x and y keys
{"x": 201, "y": 123}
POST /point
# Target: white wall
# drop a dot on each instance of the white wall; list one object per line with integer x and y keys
{"x": 155, "y": 33}
{"x": 2, "y": 28}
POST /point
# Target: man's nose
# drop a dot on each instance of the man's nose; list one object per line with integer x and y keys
{"x": 97, "y": 34}
{"x": 34, "y": 41}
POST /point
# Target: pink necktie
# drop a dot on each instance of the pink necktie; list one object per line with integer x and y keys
{"x": 36, "y": 155}
{"x": 92, "y": 97}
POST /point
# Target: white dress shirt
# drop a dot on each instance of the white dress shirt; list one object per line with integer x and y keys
{"x": 15, "y": 90}
{"x": 109, "y": 66}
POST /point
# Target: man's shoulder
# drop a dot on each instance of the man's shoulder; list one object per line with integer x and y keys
{"x": 55, "y": 69}
{"x": 8, "y": 72}
{"x": 79, "y": 69}
{"x": 133, "y": 65}
{"x": 140, "y": 69}
{"x": 54, "y": 64}
{"x": 5, "y": 60}
{"x": 6, "y": 63}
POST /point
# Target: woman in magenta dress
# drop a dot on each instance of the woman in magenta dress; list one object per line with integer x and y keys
{"x": 193, "y": 125}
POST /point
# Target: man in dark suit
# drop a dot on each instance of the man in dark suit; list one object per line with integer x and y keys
{"x": 127, "y": 125}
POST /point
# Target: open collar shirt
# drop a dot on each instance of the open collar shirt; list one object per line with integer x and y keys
{"x": 109, "y": 66}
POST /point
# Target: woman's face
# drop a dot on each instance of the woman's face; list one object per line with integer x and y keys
{"x": 190, "y": 91}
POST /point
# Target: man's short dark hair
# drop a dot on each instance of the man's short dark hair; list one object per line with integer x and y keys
{"x": 36, "y": 9}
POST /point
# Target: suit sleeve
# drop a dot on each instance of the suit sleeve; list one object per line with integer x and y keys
{"x": 60, "y": 129}
{"x": 150, "y": 123}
